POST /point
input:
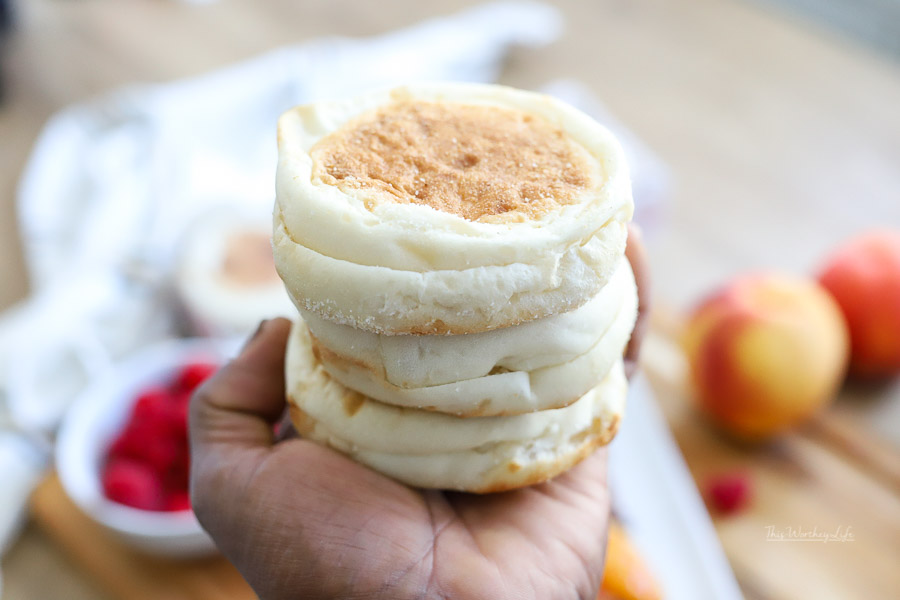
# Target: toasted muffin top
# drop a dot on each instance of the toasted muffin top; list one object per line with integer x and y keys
{"x": 483, "y": 163}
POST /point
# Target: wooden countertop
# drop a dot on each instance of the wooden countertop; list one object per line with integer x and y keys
{"x": 782, "y": 139}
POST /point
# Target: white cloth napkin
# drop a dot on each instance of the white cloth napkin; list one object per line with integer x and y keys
{"x": 111, "y": 185}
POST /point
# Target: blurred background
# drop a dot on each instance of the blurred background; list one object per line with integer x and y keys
{"x": 762, "y": 135}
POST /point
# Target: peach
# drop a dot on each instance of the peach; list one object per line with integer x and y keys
{"x": 863, "y": 275}
{"x": 766, "y": 351}
{"x": 626, "y": 575}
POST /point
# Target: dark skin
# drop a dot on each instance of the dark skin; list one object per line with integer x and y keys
{"x": 302, "y": 521}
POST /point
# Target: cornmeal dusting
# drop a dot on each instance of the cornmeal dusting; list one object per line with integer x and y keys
{"x": 483, "y": 163}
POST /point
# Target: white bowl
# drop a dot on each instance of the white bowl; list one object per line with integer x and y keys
{"x": 94, "y": 420}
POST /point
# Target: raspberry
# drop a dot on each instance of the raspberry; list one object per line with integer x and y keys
{"x": 132, "y": 442}
{"x": 178, "y": 501}
{"x": 150, "y": 403}
{"x": 176, "y": 417}
{"x": 160, "y": 454}
{"x": 192, "y": 375}
{"x": 177, "y": 476}
{"x": 148, "y": 462}
{"x": 132, "y": 484}
{"x": 728, "y": 493}
{"x": 182, "y": 399}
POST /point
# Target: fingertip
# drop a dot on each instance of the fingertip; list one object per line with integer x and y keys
{"x": 246, "y": 396}
{"x": 635, "y": 230}
{"x": 270, "y": 333}
{"x": 636, "y": 254}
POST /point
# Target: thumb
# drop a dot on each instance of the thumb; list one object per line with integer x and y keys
{"x": 235, "y": 409}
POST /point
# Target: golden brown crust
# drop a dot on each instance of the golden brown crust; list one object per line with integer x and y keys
{"x": 483, "y": 163}
{"x": 506, "y": 479}
{"x": 615, "y": 234}
{"x": 352, "y": 402}
{"x": 510, "y": 475}
{"x": 437, "y": 326}
{"x": 303, "y": 423}
{"x": 342, "y": 363}
{"x": 324, "y": 354}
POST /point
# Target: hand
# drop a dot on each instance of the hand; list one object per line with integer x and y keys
{"x": 636, "y": 254}
{"x": 302, "y": 521}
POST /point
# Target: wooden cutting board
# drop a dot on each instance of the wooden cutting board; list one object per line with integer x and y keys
{"x": 124, "y": 572}
{"x": 833, "y": 475}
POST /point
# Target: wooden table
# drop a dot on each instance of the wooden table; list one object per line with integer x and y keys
{"x": 782, "y": 139}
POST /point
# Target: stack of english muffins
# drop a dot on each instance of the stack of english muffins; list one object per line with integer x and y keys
{"x": 456, "y": 252}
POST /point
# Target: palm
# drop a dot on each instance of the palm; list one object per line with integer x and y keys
{"x": 350, "y": 532}
{"x": 300, "y": 520}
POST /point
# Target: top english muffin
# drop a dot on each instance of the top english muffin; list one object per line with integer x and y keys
{"x": 446, "y": 208}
